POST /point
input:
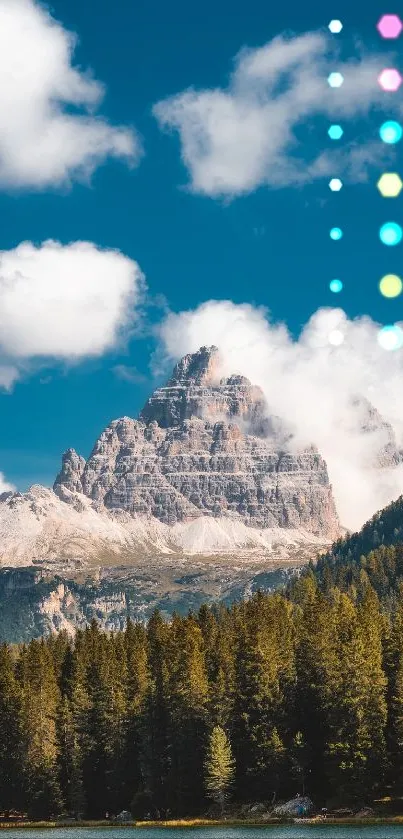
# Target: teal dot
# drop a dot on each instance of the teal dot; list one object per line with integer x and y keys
{"x": 336, "y": 233}
{"x": 335, "y": 286}
{"x": 391, "y": 132}
{"x": 391, "y": 233}
{"x": 335, "y": 132}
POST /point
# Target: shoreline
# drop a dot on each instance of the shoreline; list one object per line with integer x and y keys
{"x": 200, "y": 823}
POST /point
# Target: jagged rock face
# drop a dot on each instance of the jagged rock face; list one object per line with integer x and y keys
{"x": 196, "y": 390}
{"x": 373, "y": 426}
{"x": 178, "y": 461}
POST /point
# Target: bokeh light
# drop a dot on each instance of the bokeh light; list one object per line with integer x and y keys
{"x": 391, "y": 337}
{"x": 335, "y": 26}
{"x": 390, "y": 285}
{"x": 391, "y": 131}
{"x": 336, "y": 286}
{"x": 335, "y": 184}
{"x": 336, "y": 79}
{"x": 335, "y": 132}
{"x": 390, "y": 185}
{"x": 390, "y": 79}
{"x": 390, "y": 233}
{"x": 336, "y": 233}
{"x": 389, "y": 26}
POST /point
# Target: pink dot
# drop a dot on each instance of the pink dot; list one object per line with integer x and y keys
{"x": 390, "y": 26}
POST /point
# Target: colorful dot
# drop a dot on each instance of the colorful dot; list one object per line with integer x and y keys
{"x": 390, "y": 285}
{"x": 335, "y": 337}
{"x": 390, "y": 233}
{"x": 390, "y": 185}
{"x": 390, "y": 337}
{"x": 335, "y": 184}
{"x": 336, "y": 79}
{"x": 336, "y": 233}
{"x": 391, "y": 131}
{"x": 335, "y": 286}
{"x": 335, "y": 132}
{"x": 390, "y": 79}
{"x": 389, "y": 26}
{"x": 335, "y": 26}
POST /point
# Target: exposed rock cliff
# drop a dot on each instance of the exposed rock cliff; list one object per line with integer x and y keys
{"x": 199, "y": 499}
{"x": 205, "y": 446}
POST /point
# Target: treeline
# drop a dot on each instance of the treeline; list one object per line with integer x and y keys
{"x": 296, "y": 693}
{"x": 350, "y": 554}
{"x": 382, "y": 569}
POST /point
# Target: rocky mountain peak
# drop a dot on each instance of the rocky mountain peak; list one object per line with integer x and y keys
{"x": 196, "y": 389}
{"x": 71, "y": 472}
{"x": 204, "y": 446}
{"x": 198, "y": 368}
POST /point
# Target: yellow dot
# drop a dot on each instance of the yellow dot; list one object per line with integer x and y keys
{"x": 390, "y": 285}
{"x": 390, "y": 185}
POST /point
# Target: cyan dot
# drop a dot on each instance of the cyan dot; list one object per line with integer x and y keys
{"x": 336, "y": 233}
{"x": 335, "y": 132}
{"x": 391, "y": 132}
{"x": 335, "y": 286}
{"x": 391, "y": 233}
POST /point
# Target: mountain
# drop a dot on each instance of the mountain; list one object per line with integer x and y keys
{"x": 204, "y": 446}
{"x": 202, "y": 497}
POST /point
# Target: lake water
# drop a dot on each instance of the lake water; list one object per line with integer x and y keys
{"x": 319, "y": 831}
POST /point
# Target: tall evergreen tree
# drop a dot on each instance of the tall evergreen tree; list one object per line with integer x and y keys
{"x": 219, "y": 767}
{"x": 40, "y": 701}
{"x": 12, "y": 737}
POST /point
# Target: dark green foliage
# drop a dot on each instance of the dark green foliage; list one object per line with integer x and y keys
{"x": 374, "y": 556}
{"x": 301, "y": 692}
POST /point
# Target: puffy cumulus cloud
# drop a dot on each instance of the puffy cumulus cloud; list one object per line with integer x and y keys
{"x": 313, "y": 386}
{"x": 236, "y": 139}
{"x": 64, "y": 302}
{"x": 4, "y": 485}
{"x": 49, "y": 130}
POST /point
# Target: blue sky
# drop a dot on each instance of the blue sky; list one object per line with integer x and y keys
{"x": 268, "y": 248}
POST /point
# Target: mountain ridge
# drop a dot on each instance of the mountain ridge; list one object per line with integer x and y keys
{"x": 203, "y": 497}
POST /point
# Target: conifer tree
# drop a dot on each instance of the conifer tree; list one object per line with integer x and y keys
{"x": 41, "y": 698}
{"x": 12, "y": 740}
{"x": 157, "y": 744}
{"x": 219, "y": 767}
{"x": 188, "y": 701}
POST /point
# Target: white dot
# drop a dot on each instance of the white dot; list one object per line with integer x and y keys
{"x": 390, "y": 337}
{"x": 335, "y": 79}
{"x": 335, "y": 26}
{"x": 335, "y": 337}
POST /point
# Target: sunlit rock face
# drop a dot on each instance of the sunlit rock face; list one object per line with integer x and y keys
{"x": 205, "y": 446}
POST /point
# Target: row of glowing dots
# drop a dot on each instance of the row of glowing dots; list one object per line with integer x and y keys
{"x": 390, "y": 184}
{"x": 389, "y": 337}
{"x": 389, "y": 79}
{"x": 390, "y": 286}
{"x": 389, "y": 26}
{"x": 390, "y": 233}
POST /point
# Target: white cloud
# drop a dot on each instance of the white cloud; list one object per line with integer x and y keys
{"x": 4, "y": 485}
{"x": 236, "y": 139}
{"x": 49, "y": 130}
{"x": 63, "y": 302}
{"x": 129, "y": 374}
{"x": 312, "y": 385}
